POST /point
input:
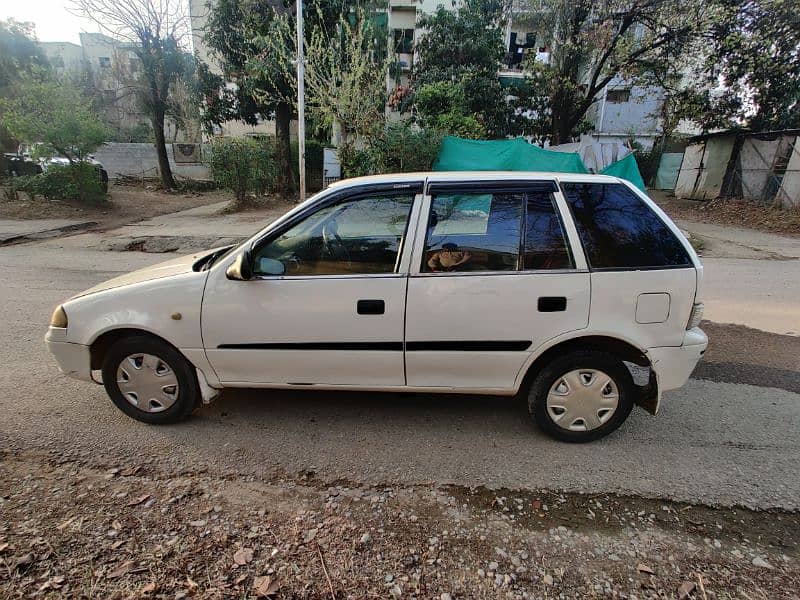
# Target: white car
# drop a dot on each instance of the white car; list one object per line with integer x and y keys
{"x": 576, "y": 291}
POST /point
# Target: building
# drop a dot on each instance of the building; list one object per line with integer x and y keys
{"x": 108, "y": 66}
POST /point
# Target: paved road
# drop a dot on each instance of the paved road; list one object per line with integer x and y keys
{"x": 731, "y": 437}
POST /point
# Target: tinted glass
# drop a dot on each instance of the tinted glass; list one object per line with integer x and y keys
{"x": 618, "y": 230}
{"x": 545, "y": 242}
{"x": 361, "y": 236}
{"x": 473, "y": 232}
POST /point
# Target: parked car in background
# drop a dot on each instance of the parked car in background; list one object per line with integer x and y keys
{"x": 575, "y": 291}
{"x": 102, "y": 174}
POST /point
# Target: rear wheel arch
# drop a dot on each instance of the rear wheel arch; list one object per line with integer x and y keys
{"x": 624, "y": 350}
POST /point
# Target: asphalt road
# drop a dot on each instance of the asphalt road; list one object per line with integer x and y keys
{"x": 731, "y": 436}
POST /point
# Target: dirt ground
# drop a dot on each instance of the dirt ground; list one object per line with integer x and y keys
{"x": 125, "y": 204}
{"x": 71, "y": 529}
{"x": 733, "y": 212}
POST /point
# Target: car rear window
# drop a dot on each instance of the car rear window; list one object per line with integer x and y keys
{"x": 619, "y": 231}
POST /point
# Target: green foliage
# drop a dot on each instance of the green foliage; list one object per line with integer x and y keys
{"x": 755, "y": 48}
{"x": 315, "y": 152}
{"x": 243, "y": 166}
{"x": 76, "y": 181}
{"x": 20, "y": 56}
{"x": 400, "y": 148}
{"x": 54, "y": 116}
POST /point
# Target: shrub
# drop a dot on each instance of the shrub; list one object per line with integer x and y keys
{"x": 76, "y": 181}
{"x": 243, "y": 166}
{"x": 314, "y": 163}
{"x": 400, "y": 148}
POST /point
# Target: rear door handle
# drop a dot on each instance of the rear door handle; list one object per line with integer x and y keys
{"x": 371, "y": 307}
{"x": 552, "y": 304}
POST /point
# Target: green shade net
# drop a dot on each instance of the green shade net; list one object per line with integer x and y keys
{"x": 458, "y": 154}
{"x": 626, "y": 168}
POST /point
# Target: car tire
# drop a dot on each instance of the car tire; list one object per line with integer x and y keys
{"x": 570, "y": 400}
{"x": 150, "y": 381}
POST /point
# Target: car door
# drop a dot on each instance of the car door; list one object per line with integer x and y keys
{"x": 493, "y": 277}
{"x": 326, "y": 304}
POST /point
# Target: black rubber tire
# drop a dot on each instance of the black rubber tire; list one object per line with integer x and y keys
{"x": 610, "y": 364}
{"x": 188, "y": 388}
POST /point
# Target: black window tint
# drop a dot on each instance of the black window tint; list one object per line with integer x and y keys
{"x": 473, "y": 232}
{"x": 618, "y": 230}
{"x": 545, "y": 242}
{"x": 360, "y": 236}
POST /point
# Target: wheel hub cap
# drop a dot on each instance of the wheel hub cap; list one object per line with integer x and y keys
{"x": 582, "y": 400}
{"x": 147, "y": 382}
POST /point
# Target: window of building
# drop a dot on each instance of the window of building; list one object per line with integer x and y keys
{"x": 404, "y": 41}
{"x": 359, "y": 236}
{"x": 619, "y": 230}
{"x": 618, "y": 96}
{"x": 105, "y": 62}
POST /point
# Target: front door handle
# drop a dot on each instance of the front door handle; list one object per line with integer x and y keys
{"x": 371, "y": 307}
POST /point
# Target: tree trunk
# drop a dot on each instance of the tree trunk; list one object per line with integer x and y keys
{"x": 287, "y": 183}
{"x": 165, "y": 171}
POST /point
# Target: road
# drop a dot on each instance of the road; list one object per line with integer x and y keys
{"x": 729, "y": 437}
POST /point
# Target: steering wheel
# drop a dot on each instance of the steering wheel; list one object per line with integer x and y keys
{"x": 333, "y": 243}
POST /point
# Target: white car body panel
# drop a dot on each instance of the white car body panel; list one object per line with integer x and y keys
{"x": 627, "y": 305}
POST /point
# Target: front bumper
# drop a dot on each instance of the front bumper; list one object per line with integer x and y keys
{"x": 73, "y": 359}
{"x": 674, "y": 364}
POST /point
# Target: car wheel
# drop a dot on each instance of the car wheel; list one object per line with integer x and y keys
{"x": 150, "y": 381}
{"x": 581, "y": 396}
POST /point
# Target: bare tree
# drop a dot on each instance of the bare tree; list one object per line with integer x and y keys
{"x": 156, "y": 31}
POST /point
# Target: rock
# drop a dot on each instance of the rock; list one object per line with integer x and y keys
{"x": 760, "y": 562}
{"x": 310, "y": 535}
{"x": 493, "y": 565}
{"x": 548, "y": 579}
{"x": 389, "y": 578}
{"x": 685, "y": 589}
{"x": 481, "y": 573}
{"x": 365, "y": 539}
{"x": 445, "y": 596}
{"x": 243, "y": 556}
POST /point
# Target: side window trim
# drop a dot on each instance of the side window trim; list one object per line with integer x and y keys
{"x": 573, "y": 239}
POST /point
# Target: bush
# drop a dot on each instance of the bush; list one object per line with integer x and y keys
{"x": 400, "y": 148}
{"x": 77, "y": 181}
{"x": 243, "y": 166}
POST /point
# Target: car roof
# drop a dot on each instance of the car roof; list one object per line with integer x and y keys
{"x": 470, "y": 176}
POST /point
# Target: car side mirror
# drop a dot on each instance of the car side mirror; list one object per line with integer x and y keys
{"x": 241, "y": 268}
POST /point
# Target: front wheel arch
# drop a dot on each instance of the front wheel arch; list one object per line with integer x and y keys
{"x": 99, "y": 347}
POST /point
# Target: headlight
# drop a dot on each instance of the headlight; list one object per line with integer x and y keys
{"x": 696, "y": 316}
{"x": 59, "y": 318}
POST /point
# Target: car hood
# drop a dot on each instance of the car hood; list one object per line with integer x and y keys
{"x": 169, "y": 268}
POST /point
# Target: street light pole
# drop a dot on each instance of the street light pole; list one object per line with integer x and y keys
{"x": 301, "y": 102}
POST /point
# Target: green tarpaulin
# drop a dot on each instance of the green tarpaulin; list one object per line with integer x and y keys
{"x": 626, "y": 168}
{"x": 458, "y": 154}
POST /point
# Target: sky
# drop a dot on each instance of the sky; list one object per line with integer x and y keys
{"x": 52, "y": 20}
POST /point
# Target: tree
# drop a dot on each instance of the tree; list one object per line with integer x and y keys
{"x": 594, "y": 42}
{"x": 155, "y": 32}
{"x": 755, "y": 51}
{"x": 53, "y": 117}
{"x": 456, "y": 87}
{"x": 234, "y": 33}
{"x": 21, "y": 58}
{"x": 346, "y": 65}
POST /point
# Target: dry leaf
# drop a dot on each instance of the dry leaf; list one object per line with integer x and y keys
{"x": 139, "y": 500}
{"x": 686, "y": 588}
{"x": 149, "y": 588}
{"x": 121, "y": 570}
{"x": 117, "y": 544}
{"x": 239, "y": 579}
{"x": 265, "y": 586}
{"x": 191, "y": 583}
{"x": 243, "y": 556}
{"x": 643, "y": 568}
{"x": 66, "y": 524}
{"x": 3, "y": 547}
{"x": 130, "y": 471}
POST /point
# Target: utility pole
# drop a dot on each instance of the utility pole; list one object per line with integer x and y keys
{"x": 301, "y": 102}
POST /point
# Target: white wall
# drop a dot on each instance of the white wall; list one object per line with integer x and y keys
{"x": 140, "y": 160}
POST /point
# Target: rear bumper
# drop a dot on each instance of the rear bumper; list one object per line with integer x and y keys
{"x": 673, "y": 365}
{"x": 73, "y": 359}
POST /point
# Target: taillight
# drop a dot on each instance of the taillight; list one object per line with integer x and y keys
{"x": 696, "y": 316}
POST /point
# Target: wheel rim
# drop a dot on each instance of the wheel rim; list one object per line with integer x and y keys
{"x": 582, "y": 400}
{"x": 147, "y": 382}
